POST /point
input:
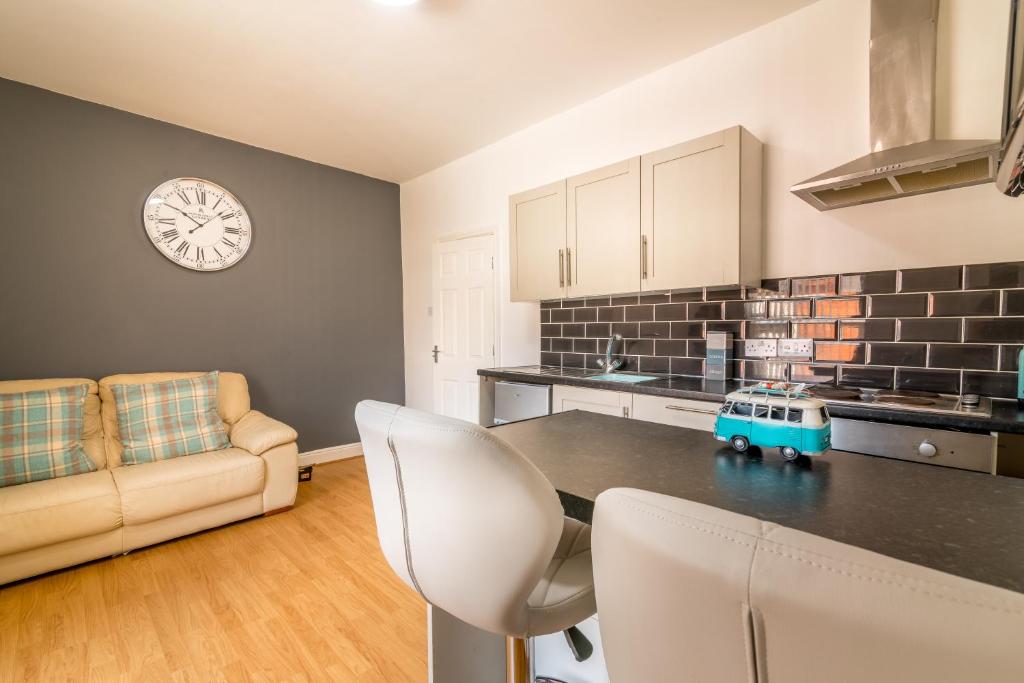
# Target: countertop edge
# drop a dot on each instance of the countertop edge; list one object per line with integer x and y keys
{"x": 1011, "y": 423}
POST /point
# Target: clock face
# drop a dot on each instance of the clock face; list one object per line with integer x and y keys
{"x": 197, "y": 224}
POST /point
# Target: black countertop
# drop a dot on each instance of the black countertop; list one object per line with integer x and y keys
{"x": 964, "y": 523}
{"x": 1007, "y": 416}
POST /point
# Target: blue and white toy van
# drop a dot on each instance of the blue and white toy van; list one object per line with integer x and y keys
{"x": 775, "y": 415}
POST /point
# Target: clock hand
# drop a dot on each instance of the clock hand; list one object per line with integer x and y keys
{"x": 169, "y": 206}
{"x": 205, "y": 222}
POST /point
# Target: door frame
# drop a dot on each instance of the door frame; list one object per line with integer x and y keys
{"x": 434, "y": 320}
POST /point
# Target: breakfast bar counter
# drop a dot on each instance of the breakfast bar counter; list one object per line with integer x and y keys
{"x": 963, "y": 523}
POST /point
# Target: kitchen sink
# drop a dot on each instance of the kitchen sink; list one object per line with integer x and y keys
{"x": 622, "y": 377}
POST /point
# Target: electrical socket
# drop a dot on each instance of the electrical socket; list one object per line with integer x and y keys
{"x": 761, "y": 348}
{"x": 796, "y": 348}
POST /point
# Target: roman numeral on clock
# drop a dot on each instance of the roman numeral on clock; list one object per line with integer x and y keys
{"x": 168, "y": 234}
{"x": 232, "y": 231}
{"x": 227, "y": 216}
{"x": 182, "y": 249}
{"x": 184, "y": 198}
{"x": 228, "y": 242}
{"x": 166, "y": 221}
{"x": 201, "y": 195}
{"x": 199, "y": 254}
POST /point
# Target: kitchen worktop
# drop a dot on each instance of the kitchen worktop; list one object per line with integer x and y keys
{"x": 1007, "y": 416}
{"x": 964, "y": 523}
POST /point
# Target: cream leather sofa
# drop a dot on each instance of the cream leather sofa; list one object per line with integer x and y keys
{"x": 46, "y": 525}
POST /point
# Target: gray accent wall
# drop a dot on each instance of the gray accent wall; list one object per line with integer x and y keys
{"x": 312, "y": 315}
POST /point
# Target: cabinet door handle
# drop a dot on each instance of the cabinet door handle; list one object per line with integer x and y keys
{"x": 643, "y": 257}
{"x": 683, "y": 409}
{"x": 561, "y": 270}
{"x": 568, "y": 266}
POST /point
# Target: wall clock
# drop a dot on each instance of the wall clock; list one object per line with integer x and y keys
{"x": 197, "y": 224}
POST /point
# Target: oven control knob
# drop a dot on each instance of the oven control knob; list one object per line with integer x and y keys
{"x": 927, "y": 449}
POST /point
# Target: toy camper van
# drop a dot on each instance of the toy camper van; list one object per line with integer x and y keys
{"x": 775, "y": 415}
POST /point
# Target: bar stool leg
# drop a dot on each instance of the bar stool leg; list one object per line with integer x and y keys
{"x": 517, "y": 660}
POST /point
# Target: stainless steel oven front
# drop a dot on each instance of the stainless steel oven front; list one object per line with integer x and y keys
{"x": 963, "y": 450}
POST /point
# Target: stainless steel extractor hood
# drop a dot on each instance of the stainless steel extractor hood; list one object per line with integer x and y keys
{"x": 906, "y": 159}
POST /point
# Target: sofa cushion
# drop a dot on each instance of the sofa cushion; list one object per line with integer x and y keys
{"x": 92, "y": 426}
{"x": 42, "y": 513}
{"x": 41, "y": 435}
{"x": 232, "y": 401}
{"x": 169, "y": 419}
{"x": 156, "y": 490}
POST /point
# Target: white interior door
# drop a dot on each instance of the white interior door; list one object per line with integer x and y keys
{"x": 463, "y": 323}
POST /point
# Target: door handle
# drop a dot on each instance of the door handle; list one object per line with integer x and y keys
{"x": 684, "y": 409}
{"x": 568, "y": 266}
{"x": 435, "y": 352}
{"x": 643, "y": 257}
{"x": 561, "y": 270}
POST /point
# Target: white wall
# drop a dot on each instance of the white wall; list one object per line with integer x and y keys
{"x": 799, "y": 84}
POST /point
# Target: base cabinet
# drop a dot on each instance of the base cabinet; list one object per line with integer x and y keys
{"x": 680, "y": 412}
{"x": 565, "y": 398}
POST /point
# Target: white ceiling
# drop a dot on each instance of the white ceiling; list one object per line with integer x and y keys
{"x": 388, "y": 92}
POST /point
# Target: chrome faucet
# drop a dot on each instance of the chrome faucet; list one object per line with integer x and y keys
{"x": 608, "y": 363}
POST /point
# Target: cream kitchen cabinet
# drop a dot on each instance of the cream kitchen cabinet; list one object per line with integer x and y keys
{"x": 537, "y": 243}
{"x": 565, "y": 398}
{"x": 700, "y": 213}
{"x": 680, "y": 412}
{"x": 603, "y": 230}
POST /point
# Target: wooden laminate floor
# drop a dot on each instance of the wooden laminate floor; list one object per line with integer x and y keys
{"x": 303, "y": 595}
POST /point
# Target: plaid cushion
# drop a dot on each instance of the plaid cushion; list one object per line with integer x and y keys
{"x": 41, "y": 435}
{"x": 169, "y": 419}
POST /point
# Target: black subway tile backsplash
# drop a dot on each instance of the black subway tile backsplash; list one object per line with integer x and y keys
{"x": 656, "y": 330}
{"x": 930, "y": 279}
{"x": 1013, "y": 302}
{"x": 897, "y": 305}
{"x": 965, "y": 303}
{"x": 994, "y": 329}
{"x": 863, "y": 376}
{"x": 942, "y": 381}
{"x": 945, "y": 327}
{"x": 878, "y": 282}
{"x": 611, "y": 314}
{"x": 998, "y": 384}
{"x": 670, "y": 347}
{"x": 1009, "y": 357}
{"x": 637, "y": 313}
{"x": 867, "y": 330}
{"x": 767, "y": 330}
{"x": 705, "y": 311}
{"x": 929, "y": 329}
{"x": 974, "y": 356}
{"x": 908, "y": 355}
{"x": 994, "y": 276}
{"x": 687, "y": 330}
{"x": 561, "y": 315}
{"x": 671, "y": 312}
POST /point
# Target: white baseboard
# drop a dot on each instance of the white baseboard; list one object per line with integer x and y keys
{"x": 330, "y": 454}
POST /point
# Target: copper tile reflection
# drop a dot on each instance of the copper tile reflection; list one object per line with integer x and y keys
{"x": 839, "y": 352}
{"x": 800, "y": 308}
{"x": 814, "y": 286}
{"x": 839, "y": 308}
{"x": 822, "y": 330}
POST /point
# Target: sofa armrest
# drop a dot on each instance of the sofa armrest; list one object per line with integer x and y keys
{"x": 257, "y": 433}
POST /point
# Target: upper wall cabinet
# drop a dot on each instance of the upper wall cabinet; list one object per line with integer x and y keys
{"x": 686, "y": 216}
{"x": 701, "y": 213}
{"x": 603, "y": 230}
{"x": 537, "y": 243}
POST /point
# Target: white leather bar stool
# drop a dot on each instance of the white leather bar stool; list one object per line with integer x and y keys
{"x": 471, "y": 525}
{"x": 688, "y": 592}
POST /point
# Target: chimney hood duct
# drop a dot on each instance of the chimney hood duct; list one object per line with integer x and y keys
{"x": 905, "y": 157}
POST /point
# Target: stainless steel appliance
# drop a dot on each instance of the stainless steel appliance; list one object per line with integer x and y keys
{"x": 515, "y": 401}
{"x": 932, "y": 445}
